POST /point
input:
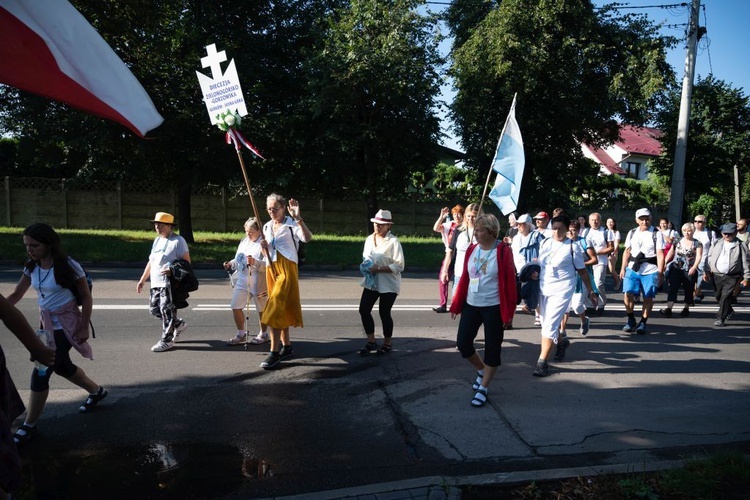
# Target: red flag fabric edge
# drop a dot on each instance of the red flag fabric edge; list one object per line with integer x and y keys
{"x": 102, "y": 85}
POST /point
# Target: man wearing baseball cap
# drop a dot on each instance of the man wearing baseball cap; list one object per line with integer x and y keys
{"x": 642, "y": 269}
{"x": 525, "y": 246}
{"x": 542, "y": 224}
{"x": 728, "y": 262}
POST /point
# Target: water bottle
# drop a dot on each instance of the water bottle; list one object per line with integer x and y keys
{"x": 46, "y": 339}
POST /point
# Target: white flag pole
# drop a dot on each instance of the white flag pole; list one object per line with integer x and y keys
{"x": 489, "y": 174}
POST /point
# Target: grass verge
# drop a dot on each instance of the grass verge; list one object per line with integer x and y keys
{"x": 99, "y": 245}
{"x": 723, "y": 475}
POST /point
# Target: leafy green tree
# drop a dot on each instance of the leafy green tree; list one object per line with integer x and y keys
{"x": 374, "y": 85}
{"x": 163, "y": 42}
{"x": 575, "y": 69}
{"x": 718, "y": 139}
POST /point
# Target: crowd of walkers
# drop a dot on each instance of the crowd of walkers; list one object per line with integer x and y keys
{"x": 560, "y": 265}
{"x": 549, "y": 266}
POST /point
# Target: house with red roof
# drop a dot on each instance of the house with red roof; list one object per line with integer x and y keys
{"x": 630, "y": 155}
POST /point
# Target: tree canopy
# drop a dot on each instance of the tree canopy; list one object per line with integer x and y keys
{"x": 718, "y": 139}
{"x": 335, "y": 89}
{"x": 576, "y": 71}
{"x": 374, "y": 87}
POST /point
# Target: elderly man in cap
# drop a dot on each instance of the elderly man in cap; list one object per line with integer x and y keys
{"x": 642, "y": 269}
{"x": 525, "y": 246}
{"x": 728, "y": 264}
{"x": 166, "y": 248}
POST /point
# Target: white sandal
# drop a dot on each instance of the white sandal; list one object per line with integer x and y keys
{"x": 239, "y": 339}
{"x": 261, "y": 338}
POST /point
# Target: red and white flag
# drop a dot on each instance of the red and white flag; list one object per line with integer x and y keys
{"x": 48, "y": 48}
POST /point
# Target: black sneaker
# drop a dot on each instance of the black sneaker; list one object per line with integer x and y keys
{"x": 287, "y": 351}
{"x": 271, "y": 361}
{"x": 731, "y": 313}
{"x": 542, "y": 369}
{"x": 685, "y": 312}
{"x": 440, "y": 309}
{"x": 91, "y": 401}
{"x": 369, "y": 348}
{"x": 562, "y": 346}
{"x": 666, "y": 312}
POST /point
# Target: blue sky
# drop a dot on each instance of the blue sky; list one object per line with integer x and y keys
{"x": 722, "y": 51}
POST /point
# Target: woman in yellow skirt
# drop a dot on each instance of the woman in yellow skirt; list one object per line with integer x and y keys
{"x": 281, "y": 237}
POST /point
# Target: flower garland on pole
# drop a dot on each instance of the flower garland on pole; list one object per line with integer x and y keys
{"x": 228, "y": 121}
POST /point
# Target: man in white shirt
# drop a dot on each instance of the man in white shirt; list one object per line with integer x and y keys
{"x": 525, "y": 247}
{"x": 706, "y": 237}
{"x": 598, "y": 239}
{"x": 642, "y": 269}
{"x": 742, "y": 230}
{"x": 728, "y": 263}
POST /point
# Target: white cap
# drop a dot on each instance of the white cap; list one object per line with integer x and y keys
{"x": 642, "y": 212}
{"x": 524, "y": 219}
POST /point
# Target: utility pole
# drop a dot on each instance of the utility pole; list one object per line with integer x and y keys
{"x": 737, "y": 204}
{"x": 680, "y": 152}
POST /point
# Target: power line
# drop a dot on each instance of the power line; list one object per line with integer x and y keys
{"x": 707, "y": 43}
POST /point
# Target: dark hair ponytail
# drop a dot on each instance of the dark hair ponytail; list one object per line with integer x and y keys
{"x": 44, "y": 234}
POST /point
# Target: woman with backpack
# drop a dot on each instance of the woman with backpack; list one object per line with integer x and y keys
{"x": 57, "y": 279}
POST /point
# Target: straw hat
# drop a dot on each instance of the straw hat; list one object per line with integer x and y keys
{"x": 164, "y": 218}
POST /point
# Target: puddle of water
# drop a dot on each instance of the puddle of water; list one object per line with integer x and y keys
{"x": 156, "y": 470}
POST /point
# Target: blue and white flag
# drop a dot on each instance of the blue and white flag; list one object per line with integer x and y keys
{"x": 508, "y": 163}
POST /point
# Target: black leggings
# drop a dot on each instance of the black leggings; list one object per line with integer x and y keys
{"x": 367, "y": 302}
{"x": 468, "y": 328}
{"x": 63, "y": 365}
{"x": 679, "y": 277}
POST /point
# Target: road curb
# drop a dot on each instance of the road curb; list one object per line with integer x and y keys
{"x": 448, "y": 484}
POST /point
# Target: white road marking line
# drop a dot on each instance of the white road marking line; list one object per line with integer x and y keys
{"x": 397, "y": 307}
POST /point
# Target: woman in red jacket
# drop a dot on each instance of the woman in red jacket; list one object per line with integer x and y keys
{"x": 485, "y": 295}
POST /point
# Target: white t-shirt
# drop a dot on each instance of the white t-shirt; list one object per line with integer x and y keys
{"x": 445, "y": 232}
{"x": 614, "y": 236}
{"x": 257, "y": 270}
{"x": 559, "y": 261}
{"x": 643, "y": 241}
{"x": 483, "y": 266}
{"x": 706, "y": 237}
{"x": 598, "y": 239}
{"x": 519, "y": 241}
{"x": 462, "y": 244}
{"x": 50, "y": 295}
{"x": 164, "y": 251}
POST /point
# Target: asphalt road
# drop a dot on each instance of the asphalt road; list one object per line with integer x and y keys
{"x": 201, "y": 420}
